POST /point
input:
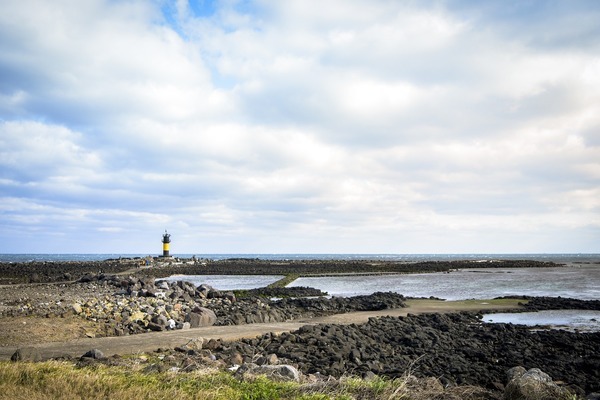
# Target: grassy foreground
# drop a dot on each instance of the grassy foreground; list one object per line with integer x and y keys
{"x": 62, "y": 380}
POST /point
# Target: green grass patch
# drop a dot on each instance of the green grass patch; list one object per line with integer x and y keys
{"x": 283, "y": 282}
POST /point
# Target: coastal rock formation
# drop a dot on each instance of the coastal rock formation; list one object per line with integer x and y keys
{"x": 457, "y": 348}
{"x": 49, "y": 271}
{"x": 247, "y": 266}
{"x": 559, "y": 303}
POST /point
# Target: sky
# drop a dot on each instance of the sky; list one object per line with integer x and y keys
{"x": 300, "y": 126}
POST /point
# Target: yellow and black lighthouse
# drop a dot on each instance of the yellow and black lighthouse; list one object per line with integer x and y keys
{"x": 165, "y": 241}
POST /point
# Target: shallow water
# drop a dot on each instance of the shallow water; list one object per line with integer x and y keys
{"x": 580, "y": 320}
{"x": 580, "y": 282}
{"x": 228, "y": 282}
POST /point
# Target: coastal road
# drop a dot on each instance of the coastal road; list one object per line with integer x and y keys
{"x": 149, "y": 342}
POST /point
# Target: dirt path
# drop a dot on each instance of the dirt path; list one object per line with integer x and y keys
{"x": 151, "y": 341}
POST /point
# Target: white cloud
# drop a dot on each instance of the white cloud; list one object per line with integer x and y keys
{"x": 350, "y": 126}
{"x": 39, "y": 151}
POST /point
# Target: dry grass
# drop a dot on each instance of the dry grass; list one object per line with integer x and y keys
{"x": 61, "y": 380}
{"x": 405, "y": 388}
{"x": 23, "y": 331}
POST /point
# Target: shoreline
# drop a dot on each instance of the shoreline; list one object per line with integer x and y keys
{"x": 66, "y": 271}
{"x": 364, "y": 335}
{"x": 151, "y": 341}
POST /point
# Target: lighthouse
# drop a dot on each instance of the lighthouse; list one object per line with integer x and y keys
{"x": 165, "y": 241}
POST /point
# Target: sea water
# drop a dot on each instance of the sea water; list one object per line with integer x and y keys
{"x": 579, "y": 282}
{"x": 228, "y": 282}
{"x": 572, "y": 320}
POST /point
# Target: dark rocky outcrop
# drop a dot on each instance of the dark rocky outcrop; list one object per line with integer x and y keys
{"x": 281, "y": 292}
{"x": 560, "y": 303}
{"x": 247, "y": 266}
{"x": 57, "y": 271}
{"x": 263, "y": 310}
{"x": 50, "y": 271}
{"x": 458, "y": 348}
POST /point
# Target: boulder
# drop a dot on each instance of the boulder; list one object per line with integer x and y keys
{"x": 160, "y": 320}
{"x": 201, "y": 316}
{"x": 275, "y": 372}
{"x": 195, "y": 344}
{"x": 94, "y": 353}
{"x": 532, "y": 384}
{"x": 162, "y": 285}
{"x": 26, "y": 354}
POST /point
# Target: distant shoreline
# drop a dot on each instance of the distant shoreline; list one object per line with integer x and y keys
{"x": 408, "y": 257}
{"x": 66, "y": 271}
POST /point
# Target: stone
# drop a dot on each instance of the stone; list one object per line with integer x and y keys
{"x": 201, "y": 316}
{"x": 160, "y": 320}
{"x": 533, "y": 384}
{"x": 76, "y": 307}
{"x": 171, "y": 324}
{"x": 236, "y": 359}
{"x": 515, "y": 372}
{"x": 94, "y": 353}
{"x": 155, "y": 327}
{"x": 26, "y": 354}
{"x": 271, "y": 359}
{"x": 137, "y": 316}
{"x": 163, "y": 285}
{"x": 195, "y": 344}
{"x": 283, "y": 372}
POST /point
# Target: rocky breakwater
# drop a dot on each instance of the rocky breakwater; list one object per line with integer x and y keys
{"x": 138, "y": 305}
{"x": 59, "y": 271}
{"x": 247, "y": 266}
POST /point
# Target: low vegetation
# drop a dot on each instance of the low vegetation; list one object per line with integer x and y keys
{"x": 62, "y": 380}
{"x": 283, "y": 282}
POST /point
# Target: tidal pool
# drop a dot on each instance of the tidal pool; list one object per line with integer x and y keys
{"x": 228, "y": 282}
{"x": 580, "y": 320}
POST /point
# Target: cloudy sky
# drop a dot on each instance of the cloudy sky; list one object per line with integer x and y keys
{"x": 300, "y": 126}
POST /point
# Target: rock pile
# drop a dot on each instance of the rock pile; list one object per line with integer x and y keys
{"x": 560, "y": 303}
{"x": 458, "y": 348}
{"x": 130, "y": 305}
{"x": 50, "y": 271}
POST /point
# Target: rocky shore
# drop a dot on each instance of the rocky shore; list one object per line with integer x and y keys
{"x": 457, "y": 349}
{"x": 48, "y": 271}
{"x": 130, "y": 305}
